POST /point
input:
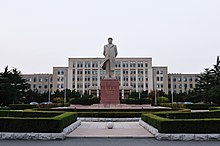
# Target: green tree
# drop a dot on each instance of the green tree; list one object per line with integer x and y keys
{"x": 208, "y": 85}
{"x": 12, "y": 86}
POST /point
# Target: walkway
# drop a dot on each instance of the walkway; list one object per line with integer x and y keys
{"x": 120, "y": 129}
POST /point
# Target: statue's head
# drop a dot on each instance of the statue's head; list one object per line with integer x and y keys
{"x": 110, "y": 40}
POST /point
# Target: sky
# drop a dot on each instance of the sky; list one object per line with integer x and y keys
{"x": 36, "y": 35}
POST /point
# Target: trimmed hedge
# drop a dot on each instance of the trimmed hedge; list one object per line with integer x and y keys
{"x": 109, "y": 114}
{"x": 214, "y": 108}
{"x": 104, "y": 110}
{"x": 136, "y": 101}
{"x": 26, "y": 121}
{"x": 207, "y": 122}
{"x": 25, "y": 114}
{"x": 188, "y": 106}
{"x": 21, "y": 106}
{"x": 29, "y": 106}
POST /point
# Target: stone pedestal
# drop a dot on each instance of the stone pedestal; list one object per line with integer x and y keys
{"x": 110, "y": 91}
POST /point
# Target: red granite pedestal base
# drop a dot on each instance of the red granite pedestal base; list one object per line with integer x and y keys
{"x": 110, "y": 91}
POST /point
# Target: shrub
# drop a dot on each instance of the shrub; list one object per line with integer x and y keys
{"x": 136, "y": 101}
{"x": 110, "y": 114}
{"x": 187, "y": 106}
{"x": 58, "y": 100}
{"x": 85, "y": 100}
{"x": 48, "y": 122}
{"x": 162, "y": 99}
{"x": 22, "y": 106}
{"x": 206, "y": 122}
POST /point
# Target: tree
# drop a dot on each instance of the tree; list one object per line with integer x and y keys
{"x": 12, "y": 86}
{"x": 208, "y": 85}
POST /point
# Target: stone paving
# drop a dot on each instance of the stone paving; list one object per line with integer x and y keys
{"x": 120, "y": 129}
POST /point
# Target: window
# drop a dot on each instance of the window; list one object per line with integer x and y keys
{"x": 40, "y": 79}
{"x": 185, "y": 79}
{"x": 140, "y": 64}
{"x": 158, "y": 79}
{"x": 79, "y": 64}
{"x": 87, "y": 64}
{"x": 125, "y": 64}
{"x": 161, "y": 78}
{"x": 45, "y": 86}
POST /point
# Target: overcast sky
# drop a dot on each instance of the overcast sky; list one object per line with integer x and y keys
{"x": 36, "y": 35}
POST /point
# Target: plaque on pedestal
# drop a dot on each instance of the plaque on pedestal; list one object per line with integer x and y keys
{"x": 110, "y": 91}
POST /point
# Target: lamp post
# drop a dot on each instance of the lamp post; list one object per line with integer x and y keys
{"x": 64, "y": 91}
{"x": 171, "y": 80}
{"x": 139, "y": 94}
{"x": 155, "y": 88}
{"x": 48, "y": 89}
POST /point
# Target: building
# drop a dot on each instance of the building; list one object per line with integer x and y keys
{"x": 135, "y": 74}
{"x": 180, "y": 83}
{"x": 39, "y": 82}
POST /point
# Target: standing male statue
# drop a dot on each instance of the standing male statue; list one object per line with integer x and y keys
{"x": 110, "y": 53}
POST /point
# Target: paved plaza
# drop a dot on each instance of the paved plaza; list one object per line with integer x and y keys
{"x": 120, "y": 129}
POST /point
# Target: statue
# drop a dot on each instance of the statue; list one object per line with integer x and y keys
{"x": 110, "y": 53}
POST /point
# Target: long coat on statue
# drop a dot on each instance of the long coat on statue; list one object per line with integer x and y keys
{"x": 110, "y": 53}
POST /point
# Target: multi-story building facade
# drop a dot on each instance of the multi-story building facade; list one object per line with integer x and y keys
{"x": 180, "y": 83}
{"x": 134, "y": 74}
{"x": 39, "y": 82}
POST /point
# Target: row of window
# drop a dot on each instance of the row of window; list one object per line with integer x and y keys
{"x": 39, "y": 79}
{"x": 60, "y": 72}
{"x": 117, "y": 64}
{"x": 42, "y": 86}
{"x": 102, "y": 72}
{"x": 87, "y": 64}
{"x": 159, "y": 79}
{"x": 184, "y": 79}
{"x": 180, "y": 86}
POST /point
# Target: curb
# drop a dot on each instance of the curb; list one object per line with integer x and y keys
{"x": 40, "y": 136}
{"x": 178, "y": 137}
{"x": 90, "y": 119}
